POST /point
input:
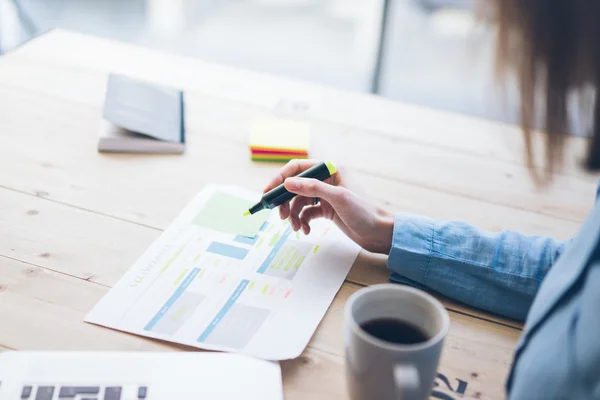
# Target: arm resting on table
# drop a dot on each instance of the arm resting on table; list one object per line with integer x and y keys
{"x": 497, "y": 272}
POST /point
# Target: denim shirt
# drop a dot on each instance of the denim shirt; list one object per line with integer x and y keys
{"x": 553, "y": 285}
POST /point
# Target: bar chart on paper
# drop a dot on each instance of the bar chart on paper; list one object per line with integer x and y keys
{"x": 227, "y": 250}
{"x": 221, "y": 281}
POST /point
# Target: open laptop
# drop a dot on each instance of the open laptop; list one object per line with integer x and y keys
{"x": 136, "y": 376}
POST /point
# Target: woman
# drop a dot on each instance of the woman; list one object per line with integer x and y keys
{"x": 554, "y": 47}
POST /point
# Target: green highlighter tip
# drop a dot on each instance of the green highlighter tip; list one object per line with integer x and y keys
{"x": 246, "y": 213}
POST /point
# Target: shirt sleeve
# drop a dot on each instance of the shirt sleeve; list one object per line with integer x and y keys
{"x": 497, "y": 272}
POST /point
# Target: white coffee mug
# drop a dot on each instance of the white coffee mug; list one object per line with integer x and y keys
{"x": 379, "y": 369}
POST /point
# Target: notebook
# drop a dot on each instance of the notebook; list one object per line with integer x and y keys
{"x": 279, "y": 139}
{"x": 141, "y": 117}
{"x": 141, "y": 375}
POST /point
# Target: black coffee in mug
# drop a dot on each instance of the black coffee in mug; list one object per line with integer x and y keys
{"x": 395, "y": 331}
{"x": 378, "y": 317}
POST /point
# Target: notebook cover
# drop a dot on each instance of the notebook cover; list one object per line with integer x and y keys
{"x": 145, "y": 108}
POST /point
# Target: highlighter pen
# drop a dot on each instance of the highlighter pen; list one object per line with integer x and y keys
{"x": 279, "y": 195}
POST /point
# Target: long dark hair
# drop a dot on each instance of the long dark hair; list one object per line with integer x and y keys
{"x": 553, "y": 46}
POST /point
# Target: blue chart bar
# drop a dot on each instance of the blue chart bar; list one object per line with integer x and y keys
{"x": 275, "y": 250}
{"x": 246, "y": 239}
{"x": 264, "y": 226}
{"x": 227, "y": 250}
{"x": 186, "y": 282}
{"x": 236, "y": 294}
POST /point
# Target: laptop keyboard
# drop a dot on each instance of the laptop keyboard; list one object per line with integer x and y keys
{"x": 46, "y": 392}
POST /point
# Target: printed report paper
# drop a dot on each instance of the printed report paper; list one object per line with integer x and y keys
{"x": 217, "y": 280}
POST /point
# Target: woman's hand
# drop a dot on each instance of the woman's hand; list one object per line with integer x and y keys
{"x": 369, "y": 226}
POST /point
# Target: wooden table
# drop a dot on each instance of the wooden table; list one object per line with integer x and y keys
{"x": 72, "y": 221}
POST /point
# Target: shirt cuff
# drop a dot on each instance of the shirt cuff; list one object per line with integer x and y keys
{"x": 411, "y": 251}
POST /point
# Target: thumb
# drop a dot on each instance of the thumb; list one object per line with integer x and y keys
{"x": 310, "y": 187}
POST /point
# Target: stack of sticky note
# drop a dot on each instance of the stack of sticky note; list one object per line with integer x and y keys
{"x": 279, "y": 139}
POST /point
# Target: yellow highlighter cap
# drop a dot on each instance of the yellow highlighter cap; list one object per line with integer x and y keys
{"x": 330, "y": 167}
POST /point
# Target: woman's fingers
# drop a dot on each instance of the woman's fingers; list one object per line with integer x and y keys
{"x": 289, "y": 171}
{"x": 310, "y": 213}
{"x": 296, "y": 206}
{"x": 284, "y": 210}
{"x": 292, "y": 168}
{"x": 308, "y": 187}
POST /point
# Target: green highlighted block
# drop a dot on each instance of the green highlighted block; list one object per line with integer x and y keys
{"x": 299, "y": 262}
{"x": 224, "y": 212}
{"x": 292, "y": 261}
{"x": 274, "y": 239}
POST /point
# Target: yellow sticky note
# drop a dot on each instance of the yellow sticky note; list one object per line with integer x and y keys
{"x": 278, "y": 134}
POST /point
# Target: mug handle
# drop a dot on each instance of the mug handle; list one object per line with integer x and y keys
{"x": 407, "y": 381}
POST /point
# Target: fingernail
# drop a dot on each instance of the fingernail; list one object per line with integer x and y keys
{"x": 305, "y": 229}
{"x": 295, "y": 225}
{"x": 293, "y": 184}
